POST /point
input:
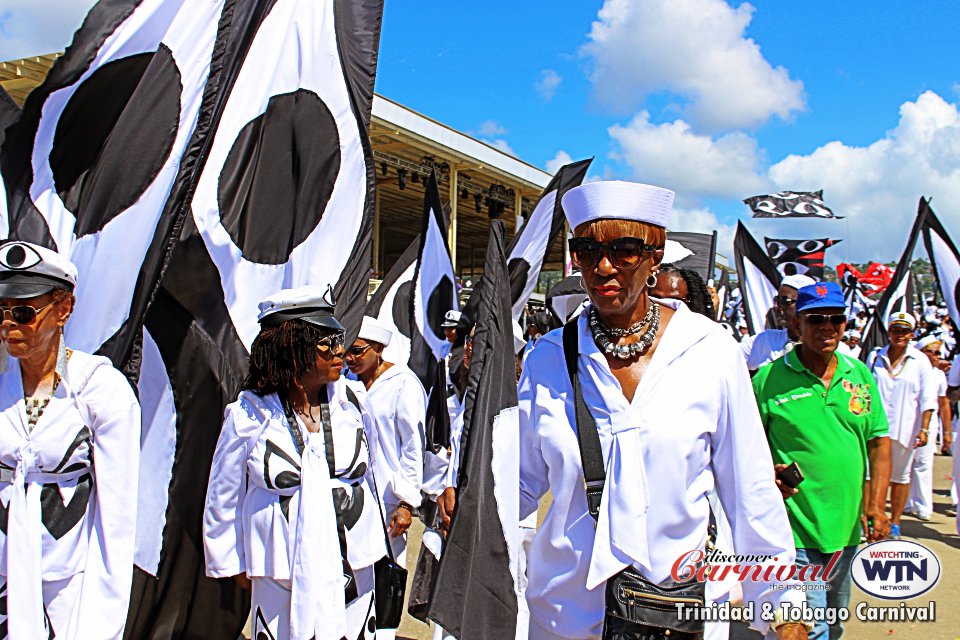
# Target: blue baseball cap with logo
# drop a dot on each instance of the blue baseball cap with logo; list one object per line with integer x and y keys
{"x": 822, "y": 295}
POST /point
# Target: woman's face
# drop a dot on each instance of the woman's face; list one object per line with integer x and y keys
{"x": 900, "y": 336}
{"x": 329, "y": 361}
{"x": 39, "y": 337}
{"x": 670, "y": 286}
{"x": 613, "y": 291}
{"x": 363, "y": 357}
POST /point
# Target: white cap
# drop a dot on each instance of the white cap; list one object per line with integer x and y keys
{"x": 451, "y": 318}
{"x": 926, "y": 341}
{"x": 28, "y": 270}
{"x": 618, "y": 200}
{"x": 372, "y": 330}
{"x": 797, "y": 281}
{"x": 853, "y": 333}
{"x": 902, "y": 317}
{"x": 310, "y": 303}
{"x": 519, "y": 340}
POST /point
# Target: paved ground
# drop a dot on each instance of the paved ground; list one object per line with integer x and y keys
{"x": 940, "y": 535}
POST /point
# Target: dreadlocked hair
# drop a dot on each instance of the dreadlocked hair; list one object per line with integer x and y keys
{"x": 698, "y": 298}
{"x": 280, "y": 355}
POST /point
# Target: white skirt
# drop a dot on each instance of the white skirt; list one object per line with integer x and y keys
{"x": 60, "y": 600}
{"x": 270, "y": 608}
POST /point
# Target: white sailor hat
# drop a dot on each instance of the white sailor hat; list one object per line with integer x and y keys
{"x": 928, "y": 340}
{"x": 372, "y": 330}
{"x": 451, "y": 319}
{"x": 902, "y": 318}
{"x": 28, "y": 270}
{"x": 619, "y": 200}
{"x": 310, "y": 303}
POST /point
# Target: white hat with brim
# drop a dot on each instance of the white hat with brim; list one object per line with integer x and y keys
{"x": 619, "y": 200}
{"x": 372, "y": 330}
{"x": 28, "y": 270}
{"x": 926, "y": 341}
{"x": 311, "y": 303}
{"x": 451, "y": 319}
{"x": 902, "y": 319}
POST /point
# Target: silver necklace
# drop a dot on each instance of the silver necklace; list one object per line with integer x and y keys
{"x": 602, "y": 334}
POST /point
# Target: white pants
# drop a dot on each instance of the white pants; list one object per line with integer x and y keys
{"x": 60, "y": 600}
{"x": 921, "y": 482}
{"x": 901, "y": 462}
{"x": 270, "y": 608}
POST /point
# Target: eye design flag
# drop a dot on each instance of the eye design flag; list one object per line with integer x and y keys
{"x": 790, "y": 204}
{"x": 759, "y": 279}
{"x": 391, "y": 304}
{"x": 803, "y": 257}
{"x": 945, "y": 259}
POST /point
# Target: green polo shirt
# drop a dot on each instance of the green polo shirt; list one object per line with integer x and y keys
{"x": 825, "y": 431}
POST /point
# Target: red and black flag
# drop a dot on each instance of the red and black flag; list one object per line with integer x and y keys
{"x": 758, "y": 276}
{"x": 804, "y": 257}
{"x": 790, "y": 204}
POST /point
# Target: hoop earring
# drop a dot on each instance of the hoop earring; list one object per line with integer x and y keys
{"x": 651, "y": 280}
{"x": 581, "y": 284}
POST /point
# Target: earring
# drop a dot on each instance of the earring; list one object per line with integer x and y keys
{"x": 581, "y": 284}
{"x": 652, "y": 280}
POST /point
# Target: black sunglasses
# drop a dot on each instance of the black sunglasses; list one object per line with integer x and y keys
{"x": 624, "y": 253}
{"x": 22, "y": 313}
{"x": 835, "y": 319}
{"x": 358, "y": 350}
{"x": 783, "y": 301}
{"x": 333, "y": 342}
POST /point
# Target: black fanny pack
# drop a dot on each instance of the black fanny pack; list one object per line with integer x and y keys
{"x": 636, "y": 609}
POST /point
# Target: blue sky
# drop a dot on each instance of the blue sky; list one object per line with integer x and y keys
{"x": 716, "y": 100}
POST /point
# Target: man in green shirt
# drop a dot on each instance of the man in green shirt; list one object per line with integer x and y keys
{"x": 822, "y": 410}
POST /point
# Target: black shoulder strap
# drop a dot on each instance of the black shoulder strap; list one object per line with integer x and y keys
{"x": 591, "y": 455}
{"x": 352, "y": 397}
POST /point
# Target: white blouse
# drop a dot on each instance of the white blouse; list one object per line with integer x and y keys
{"x": 906, "y": 393}
{"x": 692, "y": 426}
{"x": 68, "y": 496}
{"x": 253, "y": 522}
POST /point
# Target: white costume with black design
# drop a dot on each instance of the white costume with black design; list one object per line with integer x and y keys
{"x": 253, "y": 522}
{"x": 67, "y": 523}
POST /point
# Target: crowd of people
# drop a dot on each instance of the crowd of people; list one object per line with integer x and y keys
{"x": 653, "y": 430}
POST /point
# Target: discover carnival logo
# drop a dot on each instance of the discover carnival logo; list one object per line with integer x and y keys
{"x": 895, "y": 569}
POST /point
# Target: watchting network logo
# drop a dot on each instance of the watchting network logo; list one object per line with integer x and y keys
{"x": 895, "y": 569}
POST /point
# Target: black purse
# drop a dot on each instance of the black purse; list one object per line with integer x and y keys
{"x": 390, "y": 578}
{"x": 635, "y": 608}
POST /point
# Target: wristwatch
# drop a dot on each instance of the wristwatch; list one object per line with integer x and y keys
{"x": 405, "y": 505}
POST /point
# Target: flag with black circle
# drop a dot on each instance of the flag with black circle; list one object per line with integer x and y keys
{"x": 391, "y": 304}
{"x": 790, "y": 204}
{"x": 945, "y": 260}
{"x": 434, "y": 293}
{"x": 758, "y": 276}
{"x": 899, "y": 294}
{"x": 804, "y": 257}
{"x": 99, "y": 148}
{"x": 695, "y": 251}
{"x": 474, "y": 595}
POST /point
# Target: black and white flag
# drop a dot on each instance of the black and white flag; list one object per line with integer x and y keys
{"x": 790, "y": 204}
{"x": 391, "y": 304}
{"x": 434, "y": 293}
{"x": 695, "y": 251}
{"x": 9, "y": 113}
{"x": 723, "y": 293}
{"x": 566, "y": 297}
{"x": 898, "y": 296}
{"x": 475, "y": 595}
{"x": 945, "y": 259}
{"x": 758, "y": 276}
{"x": 804, "y": 257}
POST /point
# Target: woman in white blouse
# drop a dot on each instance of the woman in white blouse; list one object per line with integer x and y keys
{"x": 69, "y": 460}
{"x": 296, "y": 520}
{"x": 676, "y": 415}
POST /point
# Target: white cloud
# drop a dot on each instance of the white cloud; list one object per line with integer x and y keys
{"x": 502, "y": 145}
{"x": 877, "y": 187}
{"x": 35, "y": 27}
{"x": 548, "y": 84}
{"x": 490, "y": 129}
{"x": 694, "y": 49}
{"x": 554, "y": 164}
{"x": 695, "y": 166}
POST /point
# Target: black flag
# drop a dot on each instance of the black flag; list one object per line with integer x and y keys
{"x": 759, "y": 279}
{"x": 898, "y": 296}
{"x": 693, "y": 251}
{"x": 392, "y": 302}
{"x": 9, "y": 112}
{"x": 790, "y": 204}
{"x": 475, "y": 593}
{"x": 723, "y": 293}
{"x": 804, "y": 257}
{"x": 565, "y": 298}
{"x": 945, "y": 259}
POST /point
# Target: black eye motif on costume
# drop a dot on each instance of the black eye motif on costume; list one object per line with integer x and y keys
{"x": 285, "y": 473}
{"x": 60, "y": 519}
{"x": 349, "y": 504}
{"x": 19, "y": 256}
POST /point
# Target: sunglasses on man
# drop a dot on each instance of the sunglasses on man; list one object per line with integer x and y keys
{"x": 784, "y": 301}
{"x": 836, "y": 319}
{"x": 22, "y": 313}
{"x": 624, "y": 253}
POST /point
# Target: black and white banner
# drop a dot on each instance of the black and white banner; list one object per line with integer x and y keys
{"x": 475, "y": 595}
{"x": 694, "y": 251}
{"x": 945, "y": 259}
{"x": 9, "y": 113}
{"x": 790, "y": 204}
{"x": 391, "y": 304}
{"x": 566, "y": 297}
{"x": 804, "y": 257}
{"x": 723, "y": 293}
{"x": 758, "y": 276}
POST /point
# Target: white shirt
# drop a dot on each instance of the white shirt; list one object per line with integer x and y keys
{"x": 692, "y": 426}
{"x": 766, "y": 347}
{"x": 87, "y": 443}
{"x": 906, "y": 393}
{"x": 397, "y": 403}
{"x": 953, "y": 377}
{"x": 253, "y": 522}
